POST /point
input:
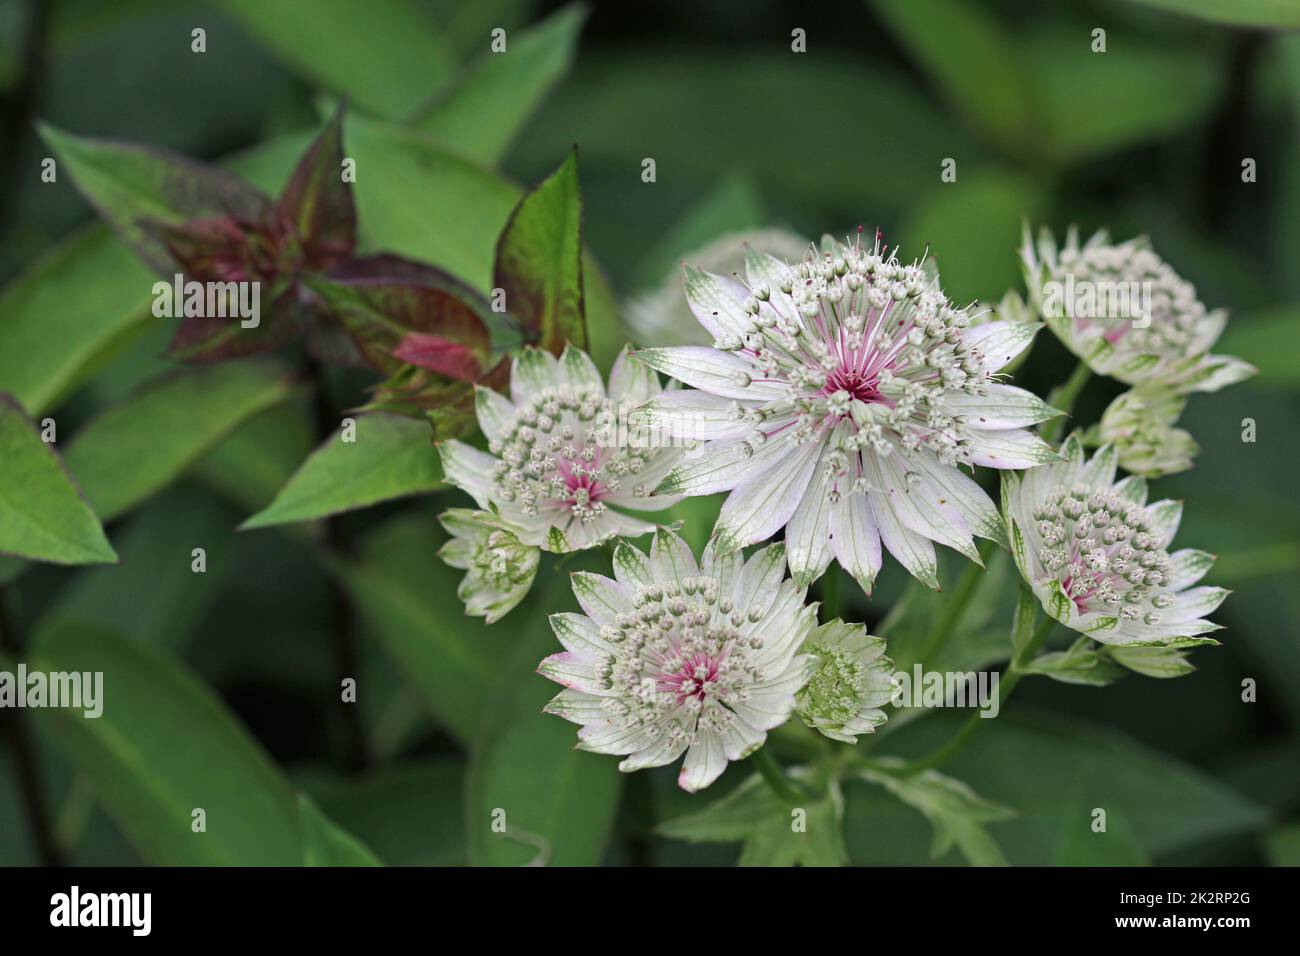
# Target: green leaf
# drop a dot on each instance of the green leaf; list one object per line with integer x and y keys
{"x": 553, "y": 804}
{"x": 1283, "y": 846}
{"x": 42, "y": 514}
{"x": 1086, "y": 104}
{"x": 954, "y": 41}
{"x": 153, "y": 595}
{"x": 325, "y": 843}
{"x": 1084, "y": 662}
{"x": 539, "y": 261}
{"x": 1053, "y": 773}
{"x": 404, "y": 595}
{"x": 482, "y": 113}
{"x": 139, "y": 446}
{"x": 163, "y": 747}
{"x": 389, "y": 457}
{"x": 955, "y": 811}
{"x": 411, "y": 815}
{"x": 388, "y": 57}
{"x": 74, "y": 304}
{"x": 773, "y": 833}
{"x": 256, "y": 460}
{"x": 1283, "y": 14}
{"x": 129, "y": 183}
{"x": 1267, "y": 340}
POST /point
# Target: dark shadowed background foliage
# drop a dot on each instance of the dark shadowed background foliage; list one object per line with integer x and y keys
{"x": 222, "y": 688}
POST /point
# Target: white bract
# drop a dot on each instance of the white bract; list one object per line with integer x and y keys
{"x": 852, "y": 682}
{"x": 839, "y": 400}
{"x": 1127, "y": 313}
{"x": 673, "y": 658}
{"x": 1096, "y": 554}
{"x": 559, "y": 465}
{"x": 501, "y": 568}
{"x": 662, "y": 317}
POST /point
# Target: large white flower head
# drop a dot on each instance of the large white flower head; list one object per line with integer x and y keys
{"x": 1096, "y": 554}
{"x": 853, "y": 681}
{"x": 662, "y": 317}
{"x": 671, "y": 657}
{"x": 1127, "y": 313}
{"x": 500, "y": 568}
{"x": 839, "y": 399}
{"x": 559, "y": 466}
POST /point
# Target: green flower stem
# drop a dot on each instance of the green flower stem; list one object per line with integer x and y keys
{"x": 1063, "y": 397}
{"x": 1006, "y": 684}
{"x": 967, "y": 587}
{"x": 781, "y": 785}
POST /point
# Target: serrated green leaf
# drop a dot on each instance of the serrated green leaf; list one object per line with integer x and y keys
{"x": 42, "y": 514}
{"x": 484, "y": 110}
{"x": 391, "y": 457}
{"x": 137, "y": 447}
{"x": 539, "y": 261}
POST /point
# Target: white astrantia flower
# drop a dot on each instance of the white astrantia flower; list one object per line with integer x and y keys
{"x": 671, "y": 657}
{"x": 501, "y": 568}
{"x": 852, "y": 682}
{"x": 560, "y": 462}
{"x": 1096, "y": 554}
{"x": 1140, "y": 424}
{"x": 1127, "y": 313}
{"x": 662, "y": 315}
{"x": 839, "y": 400}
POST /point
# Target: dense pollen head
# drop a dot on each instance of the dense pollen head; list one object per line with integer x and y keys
{"x": 866, "y": 347}
{"x": 682, "y": 652}
{"x": 556, "y": 456}
{"x": 1101, "y": 549}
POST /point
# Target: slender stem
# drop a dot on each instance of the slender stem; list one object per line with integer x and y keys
{"x": 1063, "y": 397}
{"x": 781, "y": 785}
{"x": 342, "y": 614}
{"x": 831, "y": 593}
{"x": 29, "y": 775}
{"x": 967, "y": 587}
{"x": 1010, "y": 677}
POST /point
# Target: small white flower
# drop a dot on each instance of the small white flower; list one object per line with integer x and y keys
{"x": 852, "y": 682}
{"x": 672, "y": 658}
{"x": 558, "y": 463}
{"x": 1096, "y": 554}
{"x": 501, "y": 568}
{"x": 1140, "y": 424}
{"x": 1161, "y": 334}
{"x": 662, "y": 315}
{"x": 838, "y": 401}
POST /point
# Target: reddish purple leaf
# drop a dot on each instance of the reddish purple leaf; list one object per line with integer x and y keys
{"x": 317, "y": 204}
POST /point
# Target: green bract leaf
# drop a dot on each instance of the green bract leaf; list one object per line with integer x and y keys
{"x": 482, "y": 113}
{"x": 164, "y": 747}
{"x": 388, "y": 57}
{"x": 139, "y": 446}
{"x": 377, "y": 458}
{"x": 955, "y": 811}
{"x": 42, "y": 515}
{"x": 539, "y": 262}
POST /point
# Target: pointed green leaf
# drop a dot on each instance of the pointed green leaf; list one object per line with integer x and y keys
{"x": 42, "y": 515}
{"x": 391, "y": 457}
{"x": 539, "y": 261}
{"x": 325, "y": 843}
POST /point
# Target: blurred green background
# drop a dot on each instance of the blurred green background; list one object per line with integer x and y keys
{"x": 1147, "y": 137}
